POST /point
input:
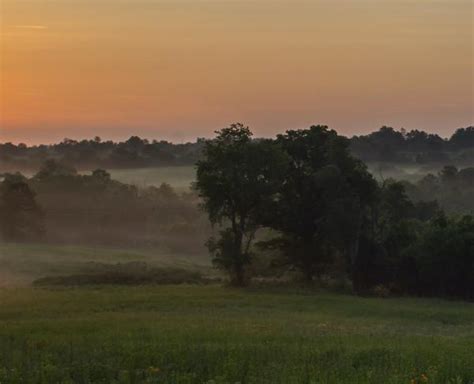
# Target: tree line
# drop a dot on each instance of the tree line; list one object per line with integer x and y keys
{"x": 415, "y": 147}
{"x": 60, "y": 205}
{"x": 97, "y": 153}
{"x": 452, "y": 187}
{"x": 384, "y": 145}
{"x": 299, "y": 204}
{"x": 321, "y": 208}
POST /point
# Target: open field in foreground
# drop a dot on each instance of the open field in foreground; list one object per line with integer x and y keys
{"x": 214, "y": 334}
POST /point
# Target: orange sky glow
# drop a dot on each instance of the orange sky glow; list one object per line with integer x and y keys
{"x": 180, "y": 69}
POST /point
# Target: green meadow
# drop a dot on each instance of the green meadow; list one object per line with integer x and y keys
{"x": 213, "y": 333}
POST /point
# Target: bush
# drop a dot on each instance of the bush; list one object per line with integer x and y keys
{"x": 340, "y": 284}
{"x": 127, "y": 274}
{"x": 381, "y": 291}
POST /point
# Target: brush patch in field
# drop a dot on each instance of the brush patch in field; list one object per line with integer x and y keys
{"x": 134, "y": 273}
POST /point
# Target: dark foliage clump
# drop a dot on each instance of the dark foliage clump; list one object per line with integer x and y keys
{"x": 327, "y": 215}
{"x": 133, "y": 273}
{"x": 414, "y": 147}
{"x": 96, "y": 153}
{"x": 21, "y": 218}
{"x": 384, "y": 145}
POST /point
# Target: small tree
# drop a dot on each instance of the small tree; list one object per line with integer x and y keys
{"x": 52, "y": 168}
{"x": 236, "y": 179}
{"x": 21, "y": 217}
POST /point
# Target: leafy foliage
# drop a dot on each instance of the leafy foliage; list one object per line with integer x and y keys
{"x": 453, "y": 188}
{"x": 326, "y": 209}
{"x": 236, "y": 179}
{"x": 21, "y": 218}
{"x": 444, "y": 255}
{"x": 324, "y": 188}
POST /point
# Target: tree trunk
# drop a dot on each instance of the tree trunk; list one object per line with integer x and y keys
{"x": 308, "y": 260}
{"x": 239, "y": 276}
{"x": 354, "y": 256}
{"x": 308, "y": 274}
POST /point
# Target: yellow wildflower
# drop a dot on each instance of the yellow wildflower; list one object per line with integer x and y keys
{"x": 153, "y": 369}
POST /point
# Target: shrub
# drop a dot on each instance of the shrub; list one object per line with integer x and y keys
{"x": 381, "y": 291}
{"x": 127, "y": 274}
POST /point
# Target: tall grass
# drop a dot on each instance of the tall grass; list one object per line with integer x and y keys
{"x": 212, "y": 334}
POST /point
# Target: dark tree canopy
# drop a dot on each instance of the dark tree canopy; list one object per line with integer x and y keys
{"x": 235, "y": 179}
{"x": 324, "y": 188}
{"x": 21, "y": 216}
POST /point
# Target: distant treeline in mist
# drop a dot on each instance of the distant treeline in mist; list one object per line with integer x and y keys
{"x": 58, "y": 205}
{"x": 384, "y": 145}
{"x": 415, "y": 147}
{"x": 451, "y": 187}
{"x": 91, "y": 154}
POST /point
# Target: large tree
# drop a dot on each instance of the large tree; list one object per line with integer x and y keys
{"x": 236, "y": 178}
{"x": 321, "y": 203}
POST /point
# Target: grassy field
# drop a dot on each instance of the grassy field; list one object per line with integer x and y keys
{"x": 20, "y": 264}
{"x": 214, "y": 334}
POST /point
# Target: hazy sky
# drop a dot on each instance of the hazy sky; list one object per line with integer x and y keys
{"x": 179, "y": 69}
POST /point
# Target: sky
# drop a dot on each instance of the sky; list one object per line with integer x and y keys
{"x": 180, "y": 69}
